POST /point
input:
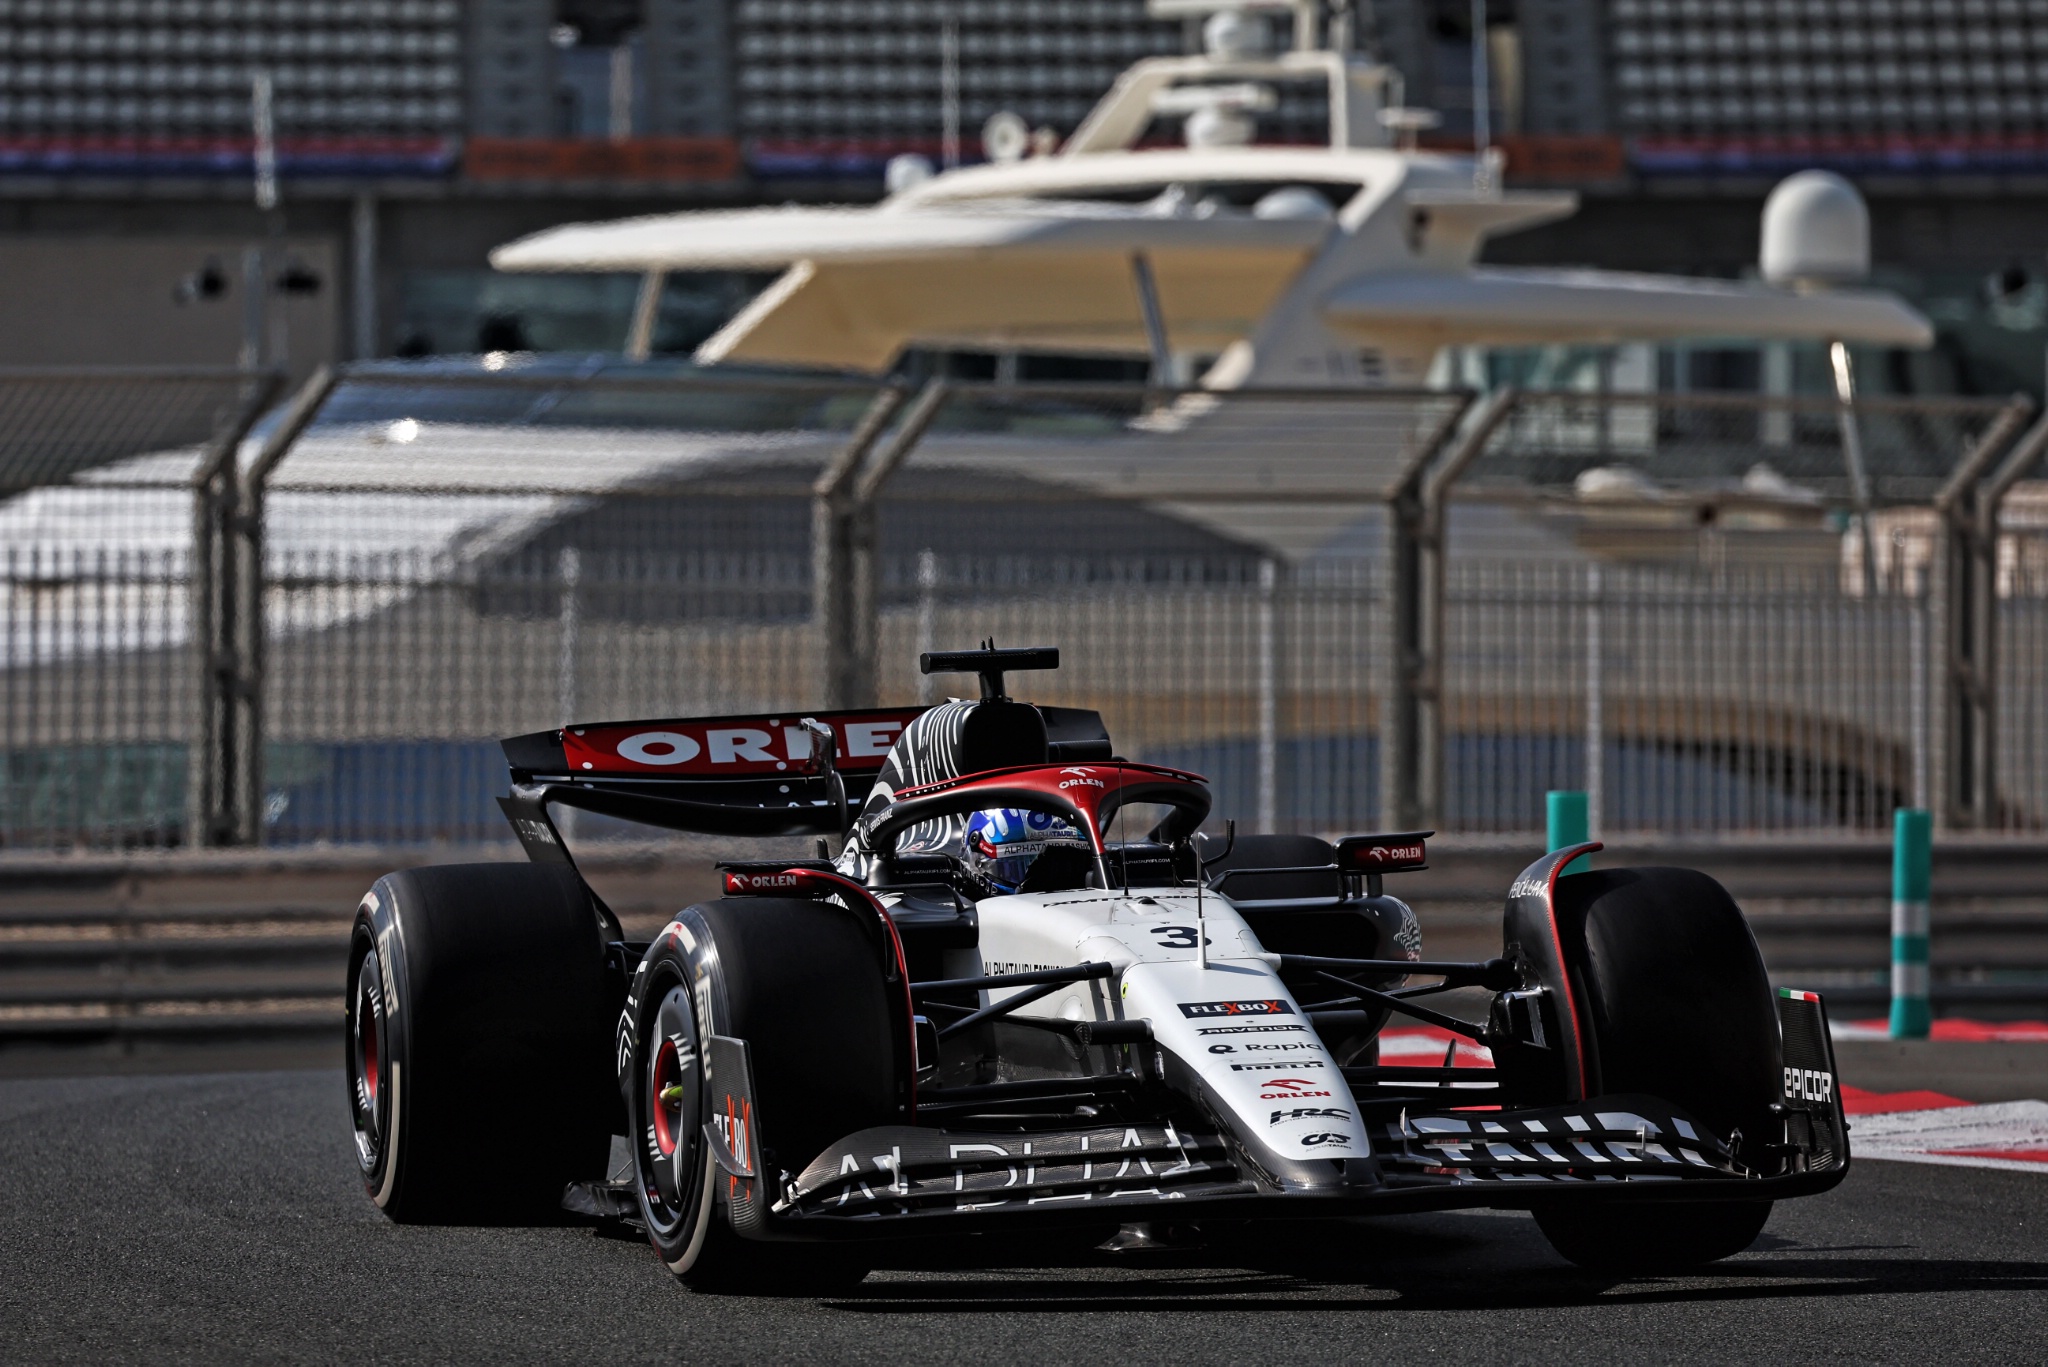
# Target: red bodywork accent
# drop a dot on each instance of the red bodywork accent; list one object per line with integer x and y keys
{"x": 366, "y": 1024}
{"x": 1086, "y": 787}
{"x": 815, "y": 883}
{"x": 732, "y": 747}
{"x": 739, "y": 1125}
{"x": 1571, "y": 1001}
{"x": 666, "y": 1067}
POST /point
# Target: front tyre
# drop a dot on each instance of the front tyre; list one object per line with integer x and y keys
{"x": 801, "y": 982}
{"x": 1679, "y": 1006}
{"x": 1651, "y": 1239}
{"x": 674, "y": 1164}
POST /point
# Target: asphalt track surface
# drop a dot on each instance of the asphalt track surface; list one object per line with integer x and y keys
{"x": 217, "y": 1218}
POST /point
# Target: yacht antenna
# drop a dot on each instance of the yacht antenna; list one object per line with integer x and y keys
{"x": 1482, "y": 84}
{"x": 949, "y": 91}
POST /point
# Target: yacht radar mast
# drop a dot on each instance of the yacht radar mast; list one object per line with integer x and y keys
{"x": 1235, "y": 49}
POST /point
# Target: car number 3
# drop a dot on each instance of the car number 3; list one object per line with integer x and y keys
{"x": 1179, "y": 937}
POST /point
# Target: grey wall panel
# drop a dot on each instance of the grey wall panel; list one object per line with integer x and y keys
{"x": 511, "y": 68}
{"x": 689, "y": 67}
{"x": 1402, "y": 33}
{"x": 1564, "y": 67}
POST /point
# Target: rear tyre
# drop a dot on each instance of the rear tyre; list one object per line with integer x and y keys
{"x": 801, "y": 983}
{"x": 477, "y": 1042}
{"x": 1678, "y": 1006}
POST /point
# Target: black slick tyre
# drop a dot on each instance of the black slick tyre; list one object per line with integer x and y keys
{"x": 801, "y": 982}
{"x": 1650, "y": 1239}
{"x": 1679, "y": 1007}
{"x": 478, "y": 1050}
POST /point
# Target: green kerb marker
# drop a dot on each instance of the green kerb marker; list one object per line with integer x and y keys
{"x": 1567, "y": 824}
{"x": 1912, "y": 875}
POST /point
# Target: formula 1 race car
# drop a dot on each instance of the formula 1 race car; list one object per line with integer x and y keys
{"x": 1026, "y": 992}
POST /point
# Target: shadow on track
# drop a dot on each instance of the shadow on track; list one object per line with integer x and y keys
{"x": 1405, "y": 1263}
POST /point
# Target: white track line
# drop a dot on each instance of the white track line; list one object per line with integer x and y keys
{"x": 1934, "y": 1136}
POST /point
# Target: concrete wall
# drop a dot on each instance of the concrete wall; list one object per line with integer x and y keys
{"x": 108, "y": 300}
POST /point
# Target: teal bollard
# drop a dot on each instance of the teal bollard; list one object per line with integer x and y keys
{"x": 1912, "y": 878}
{"x": 1565, "y": 809}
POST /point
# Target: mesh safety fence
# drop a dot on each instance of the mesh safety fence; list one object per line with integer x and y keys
{"x": 98, "y": 681}
{"x": 454, "y": 558}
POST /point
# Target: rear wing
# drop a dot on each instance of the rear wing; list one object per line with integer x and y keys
{"x": 751, "y": 775}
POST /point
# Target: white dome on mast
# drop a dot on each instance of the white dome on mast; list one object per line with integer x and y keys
{"x": 1816, "y": 231}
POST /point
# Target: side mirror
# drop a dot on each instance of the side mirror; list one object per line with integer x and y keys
{"x": 1229, "y": 844}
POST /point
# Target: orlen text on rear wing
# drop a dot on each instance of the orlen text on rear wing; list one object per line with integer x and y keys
{"x": 745, "y": 775}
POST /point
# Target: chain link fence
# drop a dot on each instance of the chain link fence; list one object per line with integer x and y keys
{"x": 98, "y": 679}
{"x": 2022, "y": 683}
{"x": 1750, "y": 451}
{"x": 1682, "y": 699}
{"x": 449, "y": 558}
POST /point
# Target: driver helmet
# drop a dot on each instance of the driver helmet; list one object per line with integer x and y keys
{"x": 1003, "y": 843}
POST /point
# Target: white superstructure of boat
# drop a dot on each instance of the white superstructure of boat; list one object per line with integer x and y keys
{"x": 1343, "y": 265}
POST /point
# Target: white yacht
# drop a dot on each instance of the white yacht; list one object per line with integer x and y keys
{"x": 1345, "y": 265}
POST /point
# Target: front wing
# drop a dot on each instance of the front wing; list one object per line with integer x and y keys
{"x": 903, "y": 1180}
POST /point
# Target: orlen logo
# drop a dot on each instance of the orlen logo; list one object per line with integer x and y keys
{"x": 759, "y": 882}
{"x": 1391, "y": 854}
{"x": 665, "y": 747}
{"x": 1084, "y": 779}
{"x": 1288, "y": 1088}
{"x": 730, "y": 747}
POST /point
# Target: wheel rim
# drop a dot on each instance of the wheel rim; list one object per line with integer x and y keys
{"x": 669, "y": 1105}
{"x": 366, "y": 1049}
{"x": 667, "y": 1113}
{"x": 366, "y": 1058}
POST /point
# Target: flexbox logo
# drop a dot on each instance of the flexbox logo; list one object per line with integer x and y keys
{"x": 1270, "y": 1007}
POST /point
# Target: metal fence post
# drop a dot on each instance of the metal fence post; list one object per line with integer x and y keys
{"x": 569, "y": 573}
{"x": 1400, "y": 713}
{"x": 241, "y": 817}
{"x": 210, "y": 585}
{"x": 1596, "y": 728}
{"x": 866, "y": 599}
{"x": 833, "y": 571}
{"x": 1418, "y": 723}
{"x": 1269, "y": 698}
{"x": 1964, "y": 597}
{"x": 927, "y": 616}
